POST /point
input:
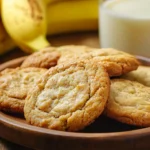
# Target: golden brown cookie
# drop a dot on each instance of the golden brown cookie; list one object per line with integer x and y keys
{"x": 45, "y": 58}
{"x": 129, "y": 102}
{"x": 48, "y": 57}
{"x": 141, "y": 75}
{"x": 115, "y": 62}
{"x": 76, "y": 50}
{"x": 14, "y": 86}
{"x": 68, "y": 97}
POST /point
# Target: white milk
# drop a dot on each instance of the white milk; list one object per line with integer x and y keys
{"x": 125, "y": 25}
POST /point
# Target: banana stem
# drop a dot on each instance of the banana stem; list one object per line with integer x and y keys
{"x": 38, "y": 43}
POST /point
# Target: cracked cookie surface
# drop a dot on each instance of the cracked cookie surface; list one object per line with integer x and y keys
{"x": 49, "y": 57}
{"x": 129, "y": 102}
{"x": 45, "y": 58}
{"x": 14, "y": 86}
{"x": 115, "y": 62}
{"x": 68, "y": 97}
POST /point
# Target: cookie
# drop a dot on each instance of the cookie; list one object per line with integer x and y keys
{"x": 115, "y": 62}
{"x": 129, "y": 102}
{"x": 45, "y": 58}
{"x": 76, "y": 50}
{"x": 48, "y": 57}
{"x": 141, "y": 75}
{"x": 68, "y": 97}
{"x": 14, "y": 86}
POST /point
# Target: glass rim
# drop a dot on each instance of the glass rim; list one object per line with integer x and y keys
{"x": 104, "y": 8}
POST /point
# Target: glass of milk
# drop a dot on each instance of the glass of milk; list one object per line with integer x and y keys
{"x": 125, "y": 25}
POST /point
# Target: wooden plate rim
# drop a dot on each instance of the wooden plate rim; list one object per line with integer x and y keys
{"x": 38, "y": 130}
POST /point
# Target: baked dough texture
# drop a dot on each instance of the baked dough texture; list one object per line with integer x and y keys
{"x": 45, "y": 58}
{"x": 68, "y": 97}
{"x": 48, "y": 57}
{"x": 129, "y": 102}
{"x": 15, "y": 85}
{"x": 141, "y": 75}
{"x": 115, "y": 62}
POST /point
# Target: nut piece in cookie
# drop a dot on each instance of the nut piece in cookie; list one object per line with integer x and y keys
{"x": 68, "y": 97}
{"x": 15, "y": 85}
{"x": 114, "y": 61}
{"x": 141, "y": 75}
{"x": 129, "y": 102}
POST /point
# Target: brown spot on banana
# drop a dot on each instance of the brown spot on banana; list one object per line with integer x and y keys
{"x": 22, "y": 8}
{"x": 36, "y": 11}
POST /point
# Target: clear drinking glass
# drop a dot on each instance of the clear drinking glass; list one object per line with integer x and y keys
{"x": 125, "y": 27}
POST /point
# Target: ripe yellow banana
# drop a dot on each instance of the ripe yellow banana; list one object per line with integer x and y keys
{"x": 26, "y": 23}
{"x": 71, "y": 15}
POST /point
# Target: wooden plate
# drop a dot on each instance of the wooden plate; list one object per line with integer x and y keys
{"x": 103, "y": 134}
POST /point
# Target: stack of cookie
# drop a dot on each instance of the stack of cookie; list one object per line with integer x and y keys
{"x": 67, "y": 88}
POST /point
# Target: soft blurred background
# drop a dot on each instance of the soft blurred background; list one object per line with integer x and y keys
{"x": 28, "y": 26}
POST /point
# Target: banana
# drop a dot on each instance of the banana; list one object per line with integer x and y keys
{"x": 72, "y": 16}
{"x": 26, "y": 23}
{"x": 6, "y": 43}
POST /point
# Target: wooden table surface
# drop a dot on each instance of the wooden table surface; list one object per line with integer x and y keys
{"x": 87, "y": 38}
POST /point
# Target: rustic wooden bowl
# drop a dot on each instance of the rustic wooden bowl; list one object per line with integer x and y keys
{"x": 104, "y": 133}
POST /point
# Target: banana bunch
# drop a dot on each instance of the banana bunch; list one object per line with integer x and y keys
{"x": 27, "y": 23}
